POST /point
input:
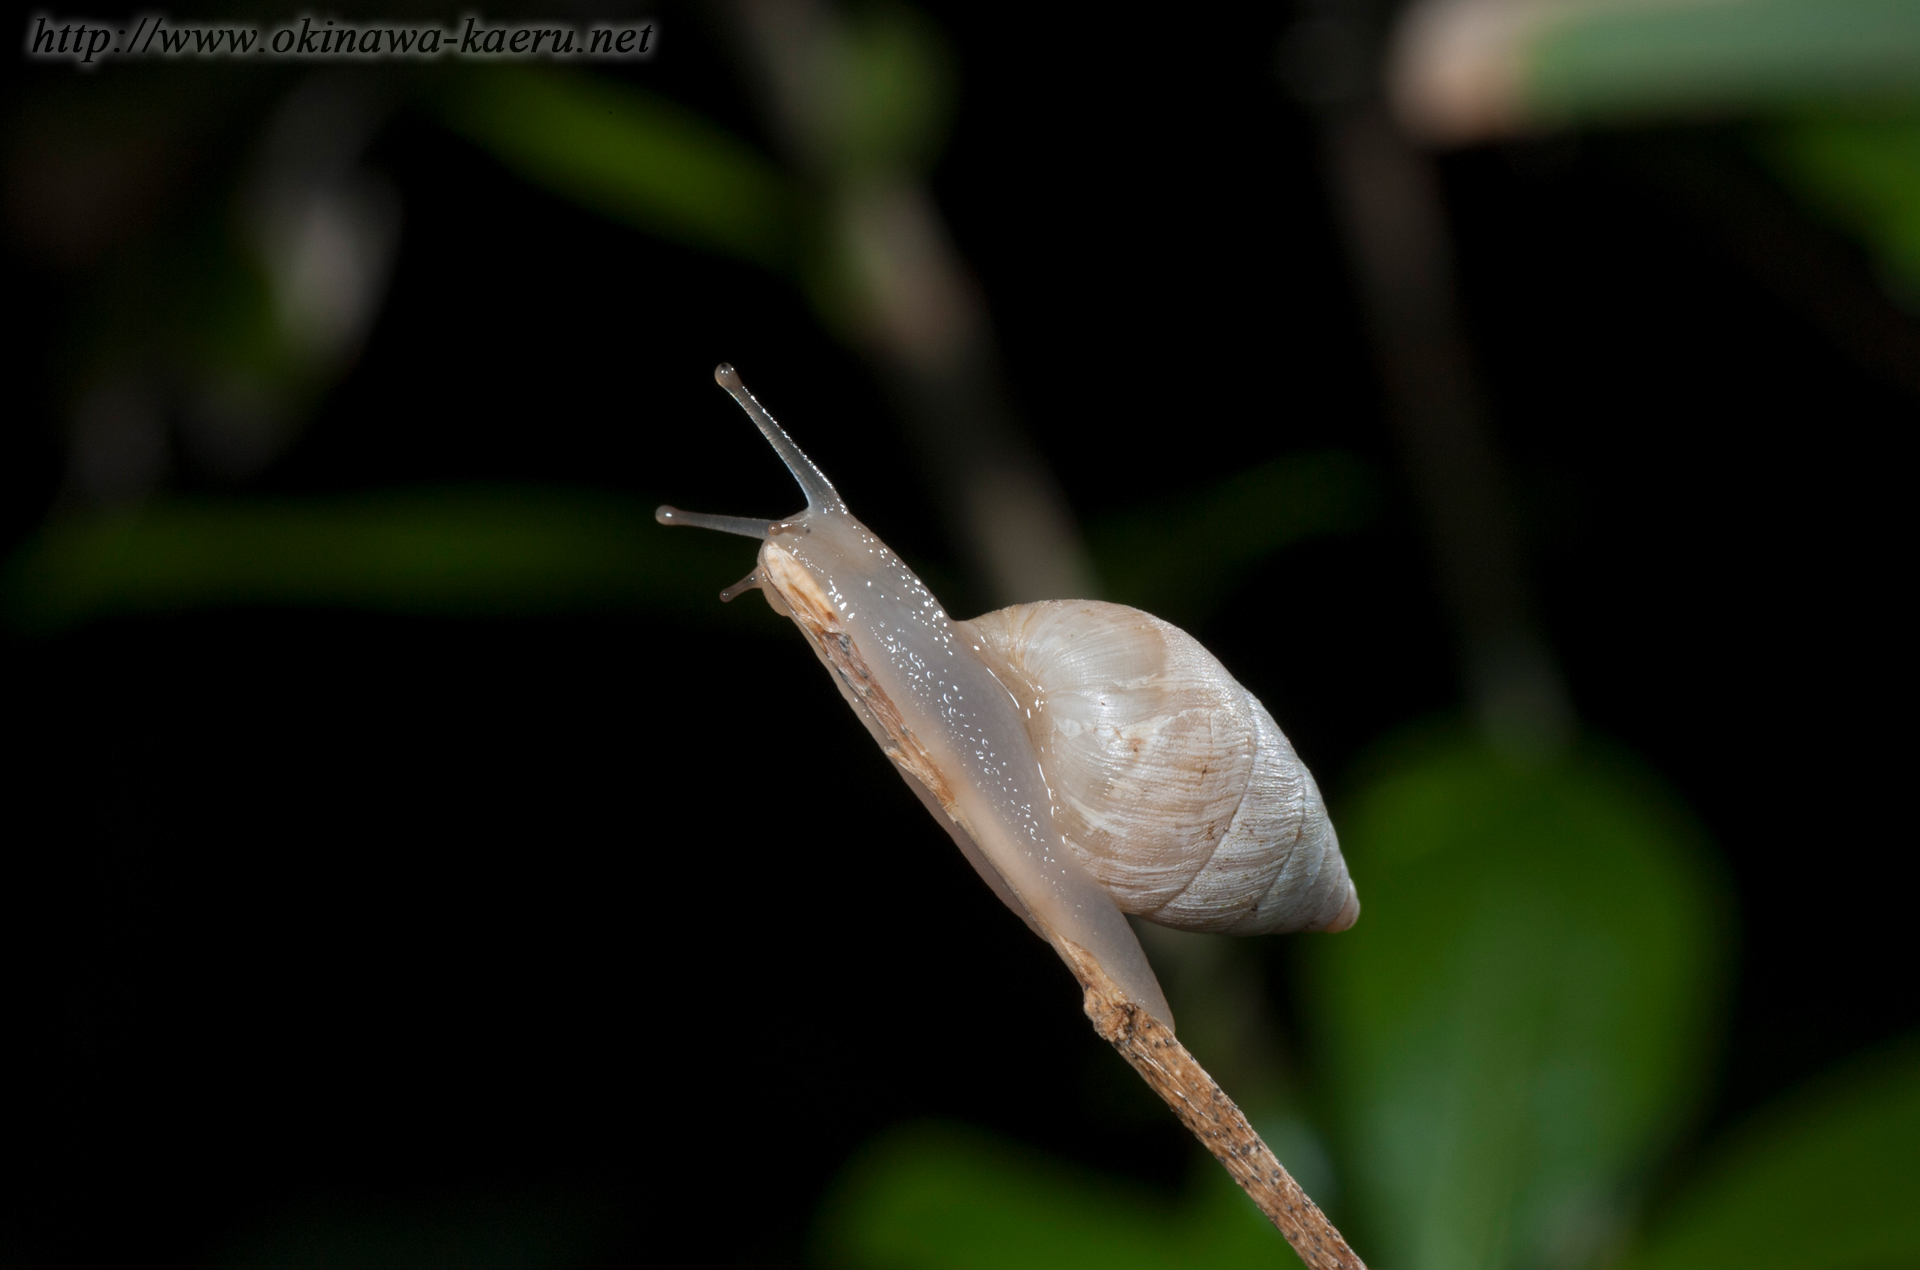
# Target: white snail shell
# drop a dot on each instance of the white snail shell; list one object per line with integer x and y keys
{"x": 1172, "y": 784}
{"x": 1089, "y": 759}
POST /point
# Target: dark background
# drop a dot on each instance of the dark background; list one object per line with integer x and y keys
{"x": 615, "y": 931}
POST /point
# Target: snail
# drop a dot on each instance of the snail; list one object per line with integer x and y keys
{"x": 1089, "y": 759}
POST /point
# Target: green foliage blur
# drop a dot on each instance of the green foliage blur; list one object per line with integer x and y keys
{"x": 1518, "y": 1027}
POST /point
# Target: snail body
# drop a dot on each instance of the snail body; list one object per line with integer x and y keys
{"x": 1089, "y": 759}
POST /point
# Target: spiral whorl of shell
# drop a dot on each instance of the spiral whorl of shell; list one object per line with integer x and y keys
{"x": 1170, "y": 782}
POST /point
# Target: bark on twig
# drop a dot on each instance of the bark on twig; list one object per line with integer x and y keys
{"x": 1170, "y": 1071}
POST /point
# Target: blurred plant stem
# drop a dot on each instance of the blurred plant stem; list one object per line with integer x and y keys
{"x": 225, "y": 295}
{"x": 859, "y": 106}
{"x": 1387, "y": 197}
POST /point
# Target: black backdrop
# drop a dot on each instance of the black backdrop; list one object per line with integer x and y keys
{"x": 622, "y": 927}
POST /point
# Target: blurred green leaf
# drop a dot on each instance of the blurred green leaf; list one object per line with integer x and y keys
{"x": 1628, "y": 60}
{"x": 632, "y": 156}
{"x": 1865, "y": 175}
{"x": 937, "y": 1197}
{"x": 1519, "y": 1020}
{"x": 1829, "y": 1180}
{"x": 1182, "y": 559}
{"x": 453, "y": 551}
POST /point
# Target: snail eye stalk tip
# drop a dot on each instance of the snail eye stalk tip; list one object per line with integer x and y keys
{"x": 821, "y": 496}
{"x": 745, "y": 526}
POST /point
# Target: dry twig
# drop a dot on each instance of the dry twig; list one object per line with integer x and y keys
{"x": 1203, "y": 1107}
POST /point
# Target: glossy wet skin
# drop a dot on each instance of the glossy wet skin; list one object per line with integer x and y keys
{"x": 954, "y": 730}
{"x": 949, "y": 724}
